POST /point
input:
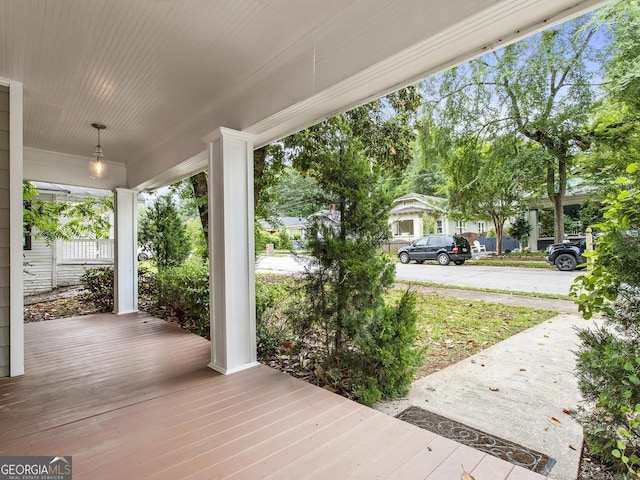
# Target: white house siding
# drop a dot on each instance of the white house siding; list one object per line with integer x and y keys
{"x": 46, "y": 270}
{"x": 5, "y": 287}
{"x": 45, "y": 267}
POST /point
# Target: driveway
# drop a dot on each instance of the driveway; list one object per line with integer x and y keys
{"x": 539, "y": 280}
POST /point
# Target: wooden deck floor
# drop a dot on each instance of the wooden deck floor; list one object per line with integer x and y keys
{"x": 131, "y": 397}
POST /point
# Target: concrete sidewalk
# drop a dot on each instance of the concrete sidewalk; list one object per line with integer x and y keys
{"x": 513, "y": 390}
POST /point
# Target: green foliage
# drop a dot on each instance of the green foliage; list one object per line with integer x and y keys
{"x": 609, "y": 358}
{"x": 341, "y": 304}
{"x": 280, "y": 240}
{"x": 64, "y": 220}
{"x": 273, "y": 334}
{"x": 609, "y": 379}
{"x": 538, "y": 90}
{"x": 295, "y": 194}
{"x": 284, "y": 242}
{"x": 98, "y": 282}
{"x": 388, "y": 356}
{"x": 590, "y": 213}
{"x": 617, "y": 250}
{"x": 183, "y": 290}
{"x": 520, "y": 229}
{"x": 163, "y": 232}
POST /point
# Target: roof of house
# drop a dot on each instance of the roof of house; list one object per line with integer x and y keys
{"x": 70, "y": 190}
{"x": 416, "y": 202}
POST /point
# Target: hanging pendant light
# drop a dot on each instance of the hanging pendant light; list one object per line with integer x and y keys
{"x": 97, "y": 167}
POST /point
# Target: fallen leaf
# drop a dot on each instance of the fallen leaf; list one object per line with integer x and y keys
{"x": 555, "y": 421}
{"x": 466, "y": 475}
{"x": 567, "y": 411}
{"x": 546, "y": 336}
{"x": 523, "y": 369}
{"x": 494, "y": 389}
{"x": 572, "y": 447}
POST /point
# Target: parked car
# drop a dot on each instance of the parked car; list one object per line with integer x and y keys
{"x": 144, "y": 254}
{"x": 566, "y": 256}
{"x": 442, "y": 248}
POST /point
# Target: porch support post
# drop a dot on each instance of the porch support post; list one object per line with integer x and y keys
{"x": 125, "y": 289}
{"x": 16, "y": 266}
{"x": 231, "y": 251}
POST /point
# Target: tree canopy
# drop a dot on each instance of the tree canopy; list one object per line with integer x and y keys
{"x": 64, "y": 220}
{"x": 539, "y": 90}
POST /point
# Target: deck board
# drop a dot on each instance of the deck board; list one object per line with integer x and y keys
{"x": 131, "y": 397}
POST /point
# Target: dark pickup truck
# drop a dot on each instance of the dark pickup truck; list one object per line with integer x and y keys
{"x": 567, "y": 256}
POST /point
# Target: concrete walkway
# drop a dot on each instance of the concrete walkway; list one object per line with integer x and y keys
{"x": 515, "y": 389}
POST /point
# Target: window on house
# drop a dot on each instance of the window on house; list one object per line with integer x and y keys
{"x": 405, "y": 227}
{"x": 482, "y": 227}
{"x": 460, "y": 226}
{"x": 439, "y": 226}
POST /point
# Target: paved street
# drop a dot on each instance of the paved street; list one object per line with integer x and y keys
{"x": 502, "y": 278}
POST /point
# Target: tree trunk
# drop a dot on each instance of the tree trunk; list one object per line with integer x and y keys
{"x": 558, "y": 218}
{"x": 200, "y": 185}
{"x": 498, "y": 226}
{"x": 556, "y": 195}
{"x": 259, "y": 159}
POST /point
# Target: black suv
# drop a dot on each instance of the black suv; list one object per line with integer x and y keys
{"x": 566, "y": 256}
{"x": 443, "y": 248}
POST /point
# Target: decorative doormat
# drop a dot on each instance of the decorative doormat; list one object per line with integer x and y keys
{"x": 485, "y": 442}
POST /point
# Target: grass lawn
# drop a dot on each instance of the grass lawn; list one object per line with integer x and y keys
{"x": 452, "y": 329}
{"x": 507, "y": 262}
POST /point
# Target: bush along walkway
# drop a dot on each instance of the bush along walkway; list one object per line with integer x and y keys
{"x": 522, "y": 389}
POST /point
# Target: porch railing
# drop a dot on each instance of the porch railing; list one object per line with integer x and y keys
{"x": 573, "y": 229}
{"x": 87, "y": 250}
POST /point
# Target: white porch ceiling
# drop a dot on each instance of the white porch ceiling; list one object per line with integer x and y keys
{"x": 161, "y": 74}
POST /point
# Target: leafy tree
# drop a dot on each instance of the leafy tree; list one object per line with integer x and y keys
{"x": 295, "y": 194}
{"x": 538, "y": 89}
{"x": 486, "y": 179}
{"x": 343, "y": 307}
{"x": 616, "y": 120}
{"x": 64, "y": 220}
{"x": 162, "y": 230}
{"x": 425, "y": 174}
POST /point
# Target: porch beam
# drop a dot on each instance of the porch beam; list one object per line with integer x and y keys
{"x": 231, "y": 250}
{"x": 125, "y": 287}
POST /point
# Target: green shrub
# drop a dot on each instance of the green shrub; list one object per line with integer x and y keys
{"x": 608, "y": 371}
{"x": 98, "y": 282}
{"x": 273, "y": 334}
{"x": 284, "y": 242}
{"x": 184, "y": 291}
{"x": 389, "y": 358}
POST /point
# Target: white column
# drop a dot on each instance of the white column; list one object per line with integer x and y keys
{"x": 231, "y": 251}
{"x": 125, "y": 289}
{"x": 16, "y": 299}
{"x": 418, "y": 228}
